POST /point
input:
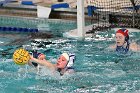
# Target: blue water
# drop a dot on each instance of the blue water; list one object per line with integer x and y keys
{"x": 98, "y": 69}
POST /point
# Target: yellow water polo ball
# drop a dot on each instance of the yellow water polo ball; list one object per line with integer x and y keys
{"x": 21, "y": 56}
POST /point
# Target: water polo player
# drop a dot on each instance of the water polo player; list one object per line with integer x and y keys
{"x": 64, "y": 63}
{"x": 123, "y": 44}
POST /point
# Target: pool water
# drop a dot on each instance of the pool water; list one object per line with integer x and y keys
{"x": 98, "y": 69}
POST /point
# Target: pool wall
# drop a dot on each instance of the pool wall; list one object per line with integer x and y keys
{"x": 31, "y": 11}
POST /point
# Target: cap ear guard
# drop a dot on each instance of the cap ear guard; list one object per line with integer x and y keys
{"x": 71, "y": 60}
{"x": 126, "y": 34}
{"x": 127, "y": 38}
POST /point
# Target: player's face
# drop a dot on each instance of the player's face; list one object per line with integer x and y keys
{"x": 61, "y": 62}
{"x": 120, "y": 39}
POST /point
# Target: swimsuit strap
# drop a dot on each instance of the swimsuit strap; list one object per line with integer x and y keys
{"x": 122, "y": 49}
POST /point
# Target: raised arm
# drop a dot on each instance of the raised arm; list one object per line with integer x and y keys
{"x": 43, "y": 62}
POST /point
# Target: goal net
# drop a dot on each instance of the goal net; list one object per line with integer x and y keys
{"x": 114, "y": 13}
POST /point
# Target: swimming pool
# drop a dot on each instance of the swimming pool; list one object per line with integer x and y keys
{"x": 98, "y": 69}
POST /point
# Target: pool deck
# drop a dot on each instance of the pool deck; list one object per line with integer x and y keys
{"x": 87, "y": 30}
{"x": 74, "y": 33}
{"x": 16, "y": 9}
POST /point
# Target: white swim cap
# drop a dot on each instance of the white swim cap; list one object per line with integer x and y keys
{"x": 66, "y": 56}
{"x": 70, "y": 59}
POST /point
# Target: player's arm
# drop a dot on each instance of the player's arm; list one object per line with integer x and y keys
{"x": 43, "y": 62}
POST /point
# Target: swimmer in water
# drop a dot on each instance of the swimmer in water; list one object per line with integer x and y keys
{"x": 123, "y": 44}
{"x": 64, "y": 63}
